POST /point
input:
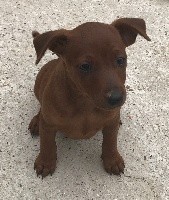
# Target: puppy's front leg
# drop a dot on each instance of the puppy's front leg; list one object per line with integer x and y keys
{"x": 112, "y": 161}
{"x": 45, "y": 163}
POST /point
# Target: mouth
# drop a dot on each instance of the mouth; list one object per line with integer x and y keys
{"x": 109, "y": 108}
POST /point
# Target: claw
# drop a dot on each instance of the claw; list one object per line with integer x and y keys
{"x": 43, "y": 168}
{"x": 114, "y": 165}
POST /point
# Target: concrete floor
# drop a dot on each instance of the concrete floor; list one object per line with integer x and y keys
{"x": 143, "y": 137}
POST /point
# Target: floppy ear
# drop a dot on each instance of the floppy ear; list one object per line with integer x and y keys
{"x": 129, "y": 28}
{"x": 55, "y": 41}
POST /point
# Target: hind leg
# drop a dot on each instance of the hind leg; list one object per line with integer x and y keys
{"x": 34, "y": 125}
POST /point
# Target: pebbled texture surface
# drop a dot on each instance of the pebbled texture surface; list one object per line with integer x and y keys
{"x": 144, "y": 135}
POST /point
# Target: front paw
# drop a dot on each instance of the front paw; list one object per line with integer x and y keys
{"x": 113, "y": 164}
{"x": 43, "y": 167}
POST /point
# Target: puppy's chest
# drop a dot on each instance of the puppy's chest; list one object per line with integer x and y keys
{"x": 82, "y": 125}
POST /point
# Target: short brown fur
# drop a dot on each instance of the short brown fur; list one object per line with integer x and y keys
{"x": 83, "y": 90}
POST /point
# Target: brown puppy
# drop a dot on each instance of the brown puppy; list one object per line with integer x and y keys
{"x": 83, "y": 90}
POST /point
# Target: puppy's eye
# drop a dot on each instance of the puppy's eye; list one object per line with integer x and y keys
{"x": 121, "y": 61}
{"x": 85, "y": 67}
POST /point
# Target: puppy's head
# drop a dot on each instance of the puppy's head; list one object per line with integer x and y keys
{"x": 94, "y": 56}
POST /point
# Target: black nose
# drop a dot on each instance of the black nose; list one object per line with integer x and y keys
{"x": 115, "y": 97}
